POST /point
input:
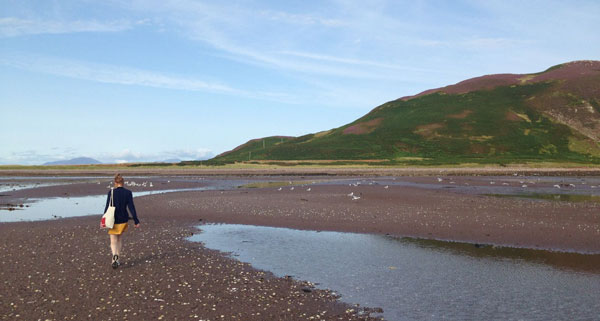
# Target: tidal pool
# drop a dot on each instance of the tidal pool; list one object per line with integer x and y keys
{"x": 60, "y": 207}
{"x": 422, "y": 280}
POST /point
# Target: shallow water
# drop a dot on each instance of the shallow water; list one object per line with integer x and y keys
{"x": 521, "y": 186}
{"x": 422, "y": 280}
{"x": 54, "y": 208}
{"x": 553, "y": 197}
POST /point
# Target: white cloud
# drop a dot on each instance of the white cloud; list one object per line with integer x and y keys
{"x": 33, "y": 157}
{"x": 25, "y": 157}
{"x": 127, "y": 76}
{"x": 351, "y": 61}
{"x": 109, "y": 73}
{"x": 13, "y": 27}
{"x": 301, "y": 19}
{"x": 130, "y": 156}
{"x": 272, "y": 39}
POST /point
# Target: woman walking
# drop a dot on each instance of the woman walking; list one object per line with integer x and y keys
{"x": 122, "y": 200}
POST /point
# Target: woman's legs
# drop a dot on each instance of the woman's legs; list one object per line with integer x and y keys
{"x": 114, "y": 244}
{"x": 119, "y": 244}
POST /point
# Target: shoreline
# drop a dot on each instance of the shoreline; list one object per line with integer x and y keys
{"x": 572, "y": 227}
{"x": 524, "y": 170}
{"x": 164, "y": 274}
{"x": 422, "y": 210}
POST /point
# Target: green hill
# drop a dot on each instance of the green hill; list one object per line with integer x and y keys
{"x": 549, "y": 116}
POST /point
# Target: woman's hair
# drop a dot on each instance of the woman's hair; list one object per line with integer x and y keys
{"x": 119, "y": 179}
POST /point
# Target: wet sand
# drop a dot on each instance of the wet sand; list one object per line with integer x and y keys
{"x": 400, "y": 211}
{"x": 20, "y": 188}
{"x": 60, "y": 269}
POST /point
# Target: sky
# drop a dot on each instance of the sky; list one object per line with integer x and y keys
{"x": 152, "y": 80}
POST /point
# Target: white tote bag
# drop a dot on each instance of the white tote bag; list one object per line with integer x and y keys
{"x": 108, "y": 219}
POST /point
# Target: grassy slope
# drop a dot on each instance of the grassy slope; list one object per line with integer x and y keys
{"x": 487, "y": 126}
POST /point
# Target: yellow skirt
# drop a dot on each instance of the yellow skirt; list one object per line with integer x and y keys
{"x": 118, "y": 229}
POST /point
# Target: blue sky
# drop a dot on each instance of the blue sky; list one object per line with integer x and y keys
{"x": 152, "y": 80}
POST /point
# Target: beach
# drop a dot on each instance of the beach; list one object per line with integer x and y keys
{"x": 60, "y": 269}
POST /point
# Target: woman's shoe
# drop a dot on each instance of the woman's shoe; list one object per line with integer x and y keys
{"x": 115, "y": 261}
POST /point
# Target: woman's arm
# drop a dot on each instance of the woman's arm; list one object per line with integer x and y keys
{"x": 107, "y": 202}
{"x": 131, "y": 207}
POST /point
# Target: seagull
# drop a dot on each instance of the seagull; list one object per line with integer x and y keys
{"x": 308, "y": 189}
{"x": 354, "y": 198}
{"x": 524, "y": 185}
{"x": 571, "y": 185}
{"x": 351, "y": 194}
{"x": 439, "y": 179}
{"x": 292, "y": 188}
{"x": 279, "y": 189}
{"x": 386, "y": 187}
{"x": 557, "y": 186}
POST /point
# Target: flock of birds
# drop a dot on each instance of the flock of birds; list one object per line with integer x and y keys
{"x": 522, "y": 184}
{"x": 351, "y": 194}
{"x": 134, "y": 184}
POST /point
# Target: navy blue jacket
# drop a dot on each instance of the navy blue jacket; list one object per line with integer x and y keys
{"x": 122, "y": 200}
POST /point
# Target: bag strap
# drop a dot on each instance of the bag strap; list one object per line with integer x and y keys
{"x": 112, "y": 204}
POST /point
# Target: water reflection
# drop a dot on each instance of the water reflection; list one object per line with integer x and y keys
{"x": 420, "y": 280}
{"x": 561, "y": 260}
{"x": 54, "y": 208}
{"x": 553, "y": 197}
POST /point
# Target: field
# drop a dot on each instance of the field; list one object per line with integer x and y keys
{"x": 305, "y": 168}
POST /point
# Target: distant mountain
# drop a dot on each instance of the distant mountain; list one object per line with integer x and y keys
{"x": 75, "y": 161}
{"x": 553, "y": 115}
